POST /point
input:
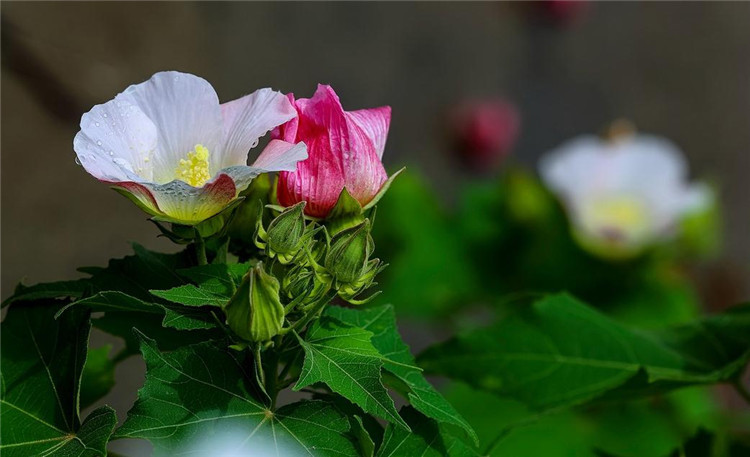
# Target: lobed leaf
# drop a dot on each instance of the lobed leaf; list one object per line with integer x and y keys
{"x": 197, "y": 400}
{"x": 342, "y": 357}
{"x": 559, "y": 352}
{"x": 398, "y": 360}
{"x": 42, "y": 362}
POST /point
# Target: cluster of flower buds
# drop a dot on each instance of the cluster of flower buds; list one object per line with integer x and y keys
{"x": 312, "y": 227}
{"x": 303, "y": 268}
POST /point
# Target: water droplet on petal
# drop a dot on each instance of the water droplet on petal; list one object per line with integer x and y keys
{"x": 97, "y": 124}
{"x": 78, "y": 162}
{"x": 98, "y": 143}
{"x": 105, "y": 114}
{"x": 255, "y": 143}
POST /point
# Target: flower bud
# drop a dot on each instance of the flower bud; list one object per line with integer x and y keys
{"x": 255, "y": 312}
{"x": 484, "y": 132}
{"x": 247, "y": 214}
{"x": 349, "y": 252}
{"x": 345, "y": 149}
{"x": 299, "y": 281}
{"x": 285, "y": 232}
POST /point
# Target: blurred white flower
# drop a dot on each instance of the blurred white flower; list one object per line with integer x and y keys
{"x": 622, "y": 195}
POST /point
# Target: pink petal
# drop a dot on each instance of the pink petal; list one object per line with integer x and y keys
{"x": 375, "y": 123}
{"x": 288, "y": 131}
{"x": 344, "y": 150}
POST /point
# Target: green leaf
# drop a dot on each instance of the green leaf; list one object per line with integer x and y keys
{"x": 381, "y": 321}
{"x": 178, "y": 317}
{"x": 558, "y": 352}
{"x": 190, "y": 295}
{"x": 342, "y": 357}
{"x": 217, "y": 278}
{"x": 181, "y": 318}
{"x": 122, "y": 325}
{"x": 427, "y": 439}
{"x": 366, "y": 444}
{"x": 42, "y": 360}
{"x": 196, "y": 400}
{"x": 133, "y": 275}
{"x": 61, "y": 289}
{"x": 113, "y": 301}
{"x": 98, "y": 376}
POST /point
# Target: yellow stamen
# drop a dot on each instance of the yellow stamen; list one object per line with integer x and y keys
{"x": 618, "y": 217}
{"x": 194, "y": 169}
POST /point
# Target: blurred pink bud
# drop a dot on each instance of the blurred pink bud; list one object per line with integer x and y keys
{"x": 344, "y": 151}
{"x": 561, "y": 12}
{"x": 485, "y": 132}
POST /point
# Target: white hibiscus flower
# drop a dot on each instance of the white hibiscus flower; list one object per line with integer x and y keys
{"x": 622, "y": 195}
{"x": 169, "y": 146}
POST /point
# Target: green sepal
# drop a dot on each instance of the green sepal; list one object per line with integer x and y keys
{"x": 347, "y": 213}
{"x": 383, "y": 189}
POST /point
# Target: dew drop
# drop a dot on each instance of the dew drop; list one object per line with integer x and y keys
{"x": 97, "y": 124}
{"x": 105, "y": 114}
{"x": 78, "y": 162}
{"x": 255, "y": 143}
{"x": 98, "y": 143}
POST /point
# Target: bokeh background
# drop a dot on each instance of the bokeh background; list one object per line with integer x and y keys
{"x": 681, "y": 70}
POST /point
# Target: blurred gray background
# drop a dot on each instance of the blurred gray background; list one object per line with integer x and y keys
{"x": 677, "y": 69}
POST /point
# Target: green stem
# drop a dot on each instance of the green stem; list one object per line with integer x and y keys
{"x": 200, "y": 249}
{"x": 272, "y": 380}
{"x": 259, "y": 366}
{"x": 312, "y": 314}
{"x": 221, "y": 253}
{"x": 742, "y": 390}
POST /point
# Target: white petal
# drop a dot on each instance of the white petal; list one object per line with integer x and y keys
{"x": 281, "y": 156}
{"x": 277, "y": 156}
{"x": 246, "y": 120}
{"x": 186, "y": 112}
{"x": 568, "y": 168}
{"x": 116, "y": 141}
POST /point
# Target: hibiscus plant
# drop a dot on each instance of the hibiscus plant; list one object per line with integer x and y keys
{"x": 266, "y": 334}
{"x": 265, "y": 299}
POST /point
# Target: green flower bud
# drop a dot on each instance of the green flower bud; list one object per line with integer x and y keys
{"x": 255, "y": 312}
{"x": 299, "y": 281}
{"x": 285, "y": 232}
{"x": 349, "y": 252}
{"x": 247, "y": 215}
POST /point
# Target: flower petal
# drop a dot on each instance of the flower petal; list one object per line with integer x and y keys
{"x": 186, "y": 112}
{"x": 182, "y": 203}
{"x": 246, "y": 120}
{"x": 281, "y": 156}
{"x": 374, "y": 123}
{"x": 138, "y": 194}
{"x": 288, "y": 131}
{"x": 116, "y": 141}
